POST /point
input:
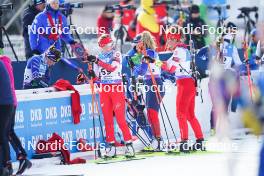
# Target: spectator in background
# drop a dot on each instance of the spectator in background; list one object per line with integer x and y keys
{"x": 55, "y": 27}
{"x": 198, "y": 36}
{"x": 29, "y": 15}
{"x": 21, "y": 154}
{"x": 105, "y": 20}
{"x": 161, "y": 16}
{"x": 252, "y": 48}
{"x": 147, "y": 21}
{"x": 129, "y": 18}
{"x": 129, "y": 14}
{"x": 6, "y": 110}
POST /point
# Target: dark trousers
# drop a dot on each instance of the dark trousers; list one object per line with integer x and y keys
{"x": 5, "y": 115}
{"x": 13, "y": 139}
{"x": 28, "y": 51}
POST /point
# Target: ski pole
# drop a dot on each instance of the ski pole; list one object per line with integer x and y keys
{"x": 248, "y": 70}
{"x": 158, "y": 97}
{"x": 167, "y": 115}
{"x": 92, "y": 89}
{"x": 100, "y": 123}
{"x": 135, "y": 97}
{"x": 165, "y": 109}
{"x": 169, "y": 121}
{"x": 135, "y": 113}
{"x": 97, "y": 109}
{"x": 144, "y": 142}
{"x": 140, "y": 126}
{"x": 93, "y": 98}
{"x": 160, "y": 101}
{"x": 144, "y": 101}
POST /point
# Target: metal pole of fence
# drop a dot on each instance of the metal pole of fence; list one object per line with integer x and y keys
{"x": 16, "y": 15}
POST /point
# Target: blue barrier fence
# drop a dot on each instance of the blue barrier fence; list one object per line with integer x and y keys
{"x": 38, "y": 119}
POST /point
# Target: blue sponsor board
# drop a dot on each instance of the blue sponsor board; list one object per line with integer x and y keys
{"x": 38, "y": 119}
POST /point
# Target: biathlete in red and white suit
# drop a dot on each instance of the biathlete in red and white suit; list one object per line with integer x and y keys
{"x": 179, "y": 63}
{"x": 112, "y": 98}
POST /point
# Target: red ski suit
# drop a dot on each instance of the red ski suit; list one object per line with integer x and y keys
{"x": 186, "y": 92}
{"x": 112, "y": 98}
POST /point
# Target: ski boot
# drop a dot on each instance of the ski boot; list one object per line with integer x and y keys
{"x": 160, "y": 145}
{"x": 184, "y": 147}
{"x": 23, "y": 165}
{"x": 130, "y": 151}
{"x": 110, "y": 151}
{"x": 199, "y": 145}
{"x": 155, "y": 146}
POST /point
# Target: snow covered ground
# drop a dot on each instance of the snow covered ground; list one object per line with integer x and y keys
{"x": 241, "y": 161}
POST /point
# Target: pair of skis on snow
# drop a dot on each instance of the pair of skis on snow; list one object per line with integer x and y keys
{"x": 145, "y": 155}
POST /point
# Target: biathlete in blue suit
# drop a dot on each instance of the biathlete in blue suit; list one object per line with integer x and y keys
{"x": 37, "y": 74}
{"x": 148, "y": 67}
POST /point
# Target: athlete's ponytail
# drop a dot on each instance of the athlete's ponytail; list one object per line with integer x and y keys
{"x": 148, "y": 40}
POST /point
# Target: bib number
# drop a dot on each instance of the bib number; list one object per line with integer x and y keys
{"x": 105, "y": 72}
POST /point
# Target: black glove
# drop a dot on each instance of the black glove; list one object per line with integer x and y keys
{"x": 91, "y": 74}
{"x": 36, "y": 52}
{"x": 124, "y": 79}
{"x": 131, "y": 63}
{"x": 149, "y": 59}
{"x": 258, "y": 58}
{"x": 246, "y": 61}
{"x": 140, "y": 80}
{"x": 92, "y": 58}
{"x": 135, "y": 49}
{"x": 81, "y": 78}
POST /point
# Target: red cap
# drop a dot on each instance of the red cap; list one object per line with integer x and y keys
{"x": 104, "y": 41}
